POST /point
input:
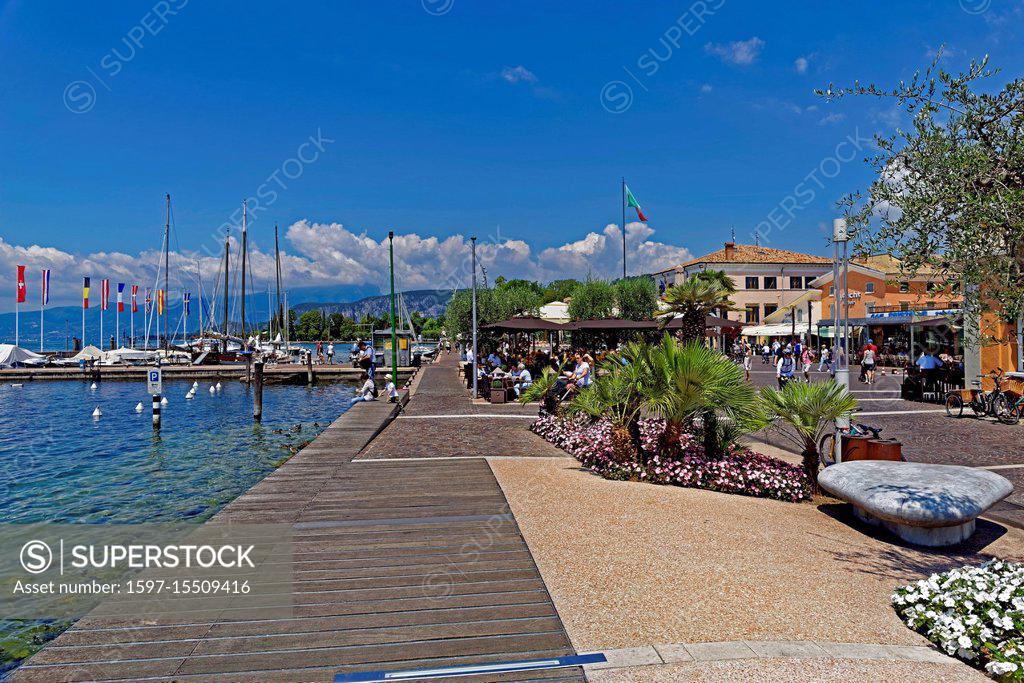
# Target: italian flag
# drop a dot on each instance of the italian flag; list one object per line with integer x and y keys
{"x": 631, "y": 201}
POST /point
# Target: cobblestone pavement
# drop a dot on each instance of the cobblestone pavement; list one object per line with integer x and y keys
{"x": 929, "y": 435}
{"x": 441, "y": 421}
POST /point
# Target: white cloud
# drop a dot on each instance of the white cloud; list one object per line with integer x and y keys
{"x": 834, "y": 117}
{"x": 740, "y": 52}
{"x": 331, "y": 254}
{"x": 518, "y": 74}
{"x": 706, "y": 87}
{"x": 801, "y": 64}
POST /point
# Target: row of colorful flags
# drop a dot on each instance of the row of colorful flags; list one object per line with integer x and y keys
{"x": 186, "y": 297}
{"x": 148, "y": 302}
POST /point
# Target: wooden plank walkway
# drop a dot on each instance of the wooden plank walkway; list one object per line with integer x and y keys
{"x": 398, "y": 565}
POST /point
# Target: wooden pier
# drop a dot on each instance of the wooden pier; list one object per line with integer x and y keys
{"x": 400, "y": 564}
{"x": 210, "y": 372}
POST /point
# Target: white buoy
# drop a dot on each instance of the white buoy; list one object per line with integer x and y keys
{"x": 93, "y": 387}
{"x": 212, "y": 389}
{"x": 195, "y": 385}
{"x": 139, "y": 408}
{"x": 97, "y": 413}
{"x": 218, "y": 386}
{"x": 189, "y": 395}
{"x": 163, "y": 401}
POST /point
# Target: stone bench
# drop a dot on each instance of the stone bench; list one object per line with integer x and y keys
{"x": 931, "y": 505}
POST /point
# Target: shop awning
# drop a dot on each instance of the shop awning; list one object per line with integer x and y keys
{"x": 773, "y": 330}
{"x": 934, "y": 321}
{"x": 525, "y": 324}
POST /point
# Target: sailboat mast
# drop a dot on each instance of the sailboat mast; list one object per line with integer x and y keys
{"x": 167, "y": 267}
{"x": 277, "y": 268}
{"x": 199, "y": 277}
{"x": 244, "y": 247}
{"x": 227, "y": 265}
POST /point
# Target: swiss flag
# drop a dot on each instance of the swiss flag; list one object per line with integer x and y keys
{"x": 21, "y": 284}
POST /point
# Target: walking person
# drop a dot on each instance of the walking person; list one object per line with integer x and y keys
{"x": 748, "y": 358}
{"x": 784, "y": 368}
{"x": 867, "y": 362}
{"x": 808, "y": 360}
{"x": 823, "y": 362}
{"x": 765, "y": 354}
{"x": 330, "y": 353}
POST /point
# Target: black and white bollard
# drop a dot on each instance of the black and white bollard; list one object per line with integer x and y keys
{"x": 156, "y": 411}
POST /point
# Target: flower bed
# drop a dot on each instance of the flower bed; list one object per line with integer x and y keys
{"x": 738, "y": 471}
{"x": 973, "y": 613}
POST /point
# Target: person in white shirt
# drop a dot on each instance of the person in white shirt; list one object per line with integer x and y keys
{"x": 330, "y": 353}
{"x": 390, "y": 389}
{"x": 523, "y": 379}
{"x": 367, "y": 392}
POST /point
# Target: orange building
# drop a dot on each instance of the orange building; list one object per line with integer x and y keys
{"x": 876, "y": 286}
{"x": 901, "y": 315}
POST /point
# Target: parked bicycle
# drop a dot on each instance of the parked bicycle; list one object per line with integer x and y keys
{"x": 827, "y": 445}
{"x": 1013, "y": 413}
{"x": 994, "y": 402}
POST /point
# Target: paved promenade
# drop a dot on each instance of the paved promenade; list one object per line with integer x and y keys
{"x": 398, "y": 565}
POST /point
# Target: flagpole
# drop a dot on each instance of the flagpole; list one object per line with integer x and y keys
{"x": 623, "y": 228}
{"x": 41, "y": 306}
{"x": 17, "y": 307}
{"x": 131, "y": 319}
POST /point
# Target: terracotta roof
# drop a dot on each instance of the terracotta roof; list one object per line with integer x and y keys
{"x": 749, "y": 253}
{"x": 891, "y": 265}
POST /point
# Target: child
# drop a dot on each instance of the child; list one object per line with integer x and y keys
{"x": 390, "y": 389}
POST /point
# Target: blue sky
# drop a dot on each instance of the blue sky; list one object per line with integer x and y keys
{"x": 445, "y": 118}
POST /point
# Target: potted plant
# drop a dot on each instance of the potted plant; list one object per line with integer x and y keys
{"x": 498, "y": 393}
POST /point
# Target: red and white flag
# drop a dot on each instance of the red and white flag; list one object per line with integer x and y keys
{"x": 135, "y": 294}
{"x": 21, "y": 284}
{"x": 104, "y": 294}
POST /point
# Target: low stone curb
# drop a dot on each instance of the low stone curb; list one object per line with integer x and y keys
{"x": 676, "y": 653}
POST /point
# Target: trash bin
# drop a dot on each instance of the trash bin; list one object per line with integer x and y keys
{"x": 885, "y": 449}
{"x": 855, "y": 448}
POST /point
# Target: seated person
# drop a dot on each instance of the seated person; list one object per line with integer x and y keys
{"x": 390, "y": 389}
{"x": 367, "y": 392}
{"x": 523, "y": 378}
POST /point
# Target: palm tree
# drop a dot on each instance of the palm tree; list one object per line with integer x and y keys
{"x": 694, "y": 382}
{"x": 541, "y": 386}
{"x": 695, "y": 298}
{"x": 810, "y": 411}
{"x": 617, "y": 394}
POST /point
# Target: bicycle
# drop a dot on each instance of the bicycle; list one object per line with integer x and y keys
{"x": 983, "y": 403}
{"x": 1013, "y": 413}
{"x": 827, "y": 445}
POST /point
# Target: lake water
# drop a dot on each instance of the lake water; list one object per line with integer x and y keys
{"x": 59, "y": 464}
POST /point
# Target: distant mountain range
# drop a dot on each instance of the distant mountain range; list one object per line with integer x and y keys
{"x": 429, "y": 302}
{"x": 65, "y": 322}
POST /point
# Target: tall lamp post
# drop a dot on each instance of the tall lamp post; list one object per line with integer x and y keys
{"x": 841, "y": 316}
{"x": 472, "y": 241}
{"x": 394, "y": 332}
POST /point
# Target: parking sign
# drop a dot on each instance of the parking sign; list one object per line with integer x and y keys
{"x": 154, "y": 381}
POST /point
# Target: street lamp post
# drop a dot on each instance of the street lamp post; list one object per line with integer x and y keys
{"x": 472, "y": 241}
{"x": 841, "y": 316}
